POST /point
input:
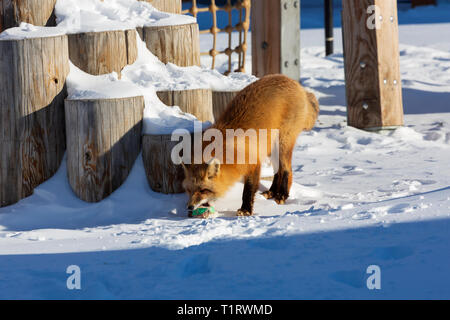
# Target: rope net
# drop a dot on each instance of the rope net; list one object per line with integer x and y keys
{"x": 243, "y": 6}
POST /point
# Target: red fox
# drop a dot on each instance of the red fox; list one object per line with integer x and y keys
{"x": 273, "y": 102}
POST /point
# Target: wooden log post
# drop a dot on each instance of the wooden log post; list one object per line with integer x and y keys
{"x": 197, "y": 102}
{"x": 276, "y": 37}
{"x": 221, "y": 99}
{"x": 172, "y": 6}
{"x": 177, "y": 44}
{"x": 371, "y": 57}
{"x": 32, "y": 132}
{"x": 36, "y": 12}
{"x": 103, "y": 52}
{"x": 103, "y": 142}
{"x": 162, "y": 174}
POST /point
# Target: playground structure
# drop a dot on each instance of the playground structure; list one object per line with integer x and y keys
{"x": 243, "y": 6}
{"x": 103, "y": 136}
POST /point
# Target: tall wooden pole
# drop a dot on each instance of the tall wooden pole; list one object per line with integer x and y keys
{"x": 276, "y": 37}
{"x": 372, "y": 68}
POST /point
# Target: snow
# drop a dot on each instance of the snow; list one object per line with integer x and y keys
{"x": 149, "y": 72}
{"x": 143, "y": 78}
{"x": 81, "y": 85}
{"x": 101, "y": 15}
{"x": 147, "y": 76}
{"x": 358, "y": 199}
{"x": 79, "y": 16}
{"x": 28, "y": 31}
{"x": 138, "y": 79}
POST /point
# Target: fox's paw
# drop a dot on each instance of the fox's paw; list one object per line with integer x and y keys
{"x": 243, "y": 213}
{"x": 267, "y": 194}
{"x": 281, "y": 198}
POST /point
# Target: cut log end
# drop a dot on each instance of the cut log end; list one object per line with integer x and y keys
{"x": 197, "y": 102}
{"x": 172, "y": 6}
{"x": 162, "y": 174}
{"x": 177, "y": 44}
{"x": 221, "y": 100}
{"x": 103, "y": 52}
{"x": 32, "y": 129}
{"x": 36, "y": 12}
{"x": 103, "y": 142}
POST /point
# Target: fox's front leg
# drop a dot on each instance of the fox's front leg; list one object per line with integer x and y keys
{"x": 251, "y": 183}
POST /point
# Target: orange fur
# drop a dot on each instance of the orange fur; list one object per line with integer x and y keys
{"x": 273, "y": 102}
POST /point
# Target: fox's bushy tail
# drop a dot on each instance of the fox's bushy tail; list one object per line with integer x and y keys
{"x": 314, "y": 110}
{"x": 313, "y": 101}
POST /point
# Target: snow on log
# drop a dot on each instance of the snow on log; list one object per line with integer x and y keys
{"x": 221, "y": 99}
{"x": 103, "y": 142}
{"x": 177, "y": 44}
{"x": 32, "y": 133}
{"x": 172, "y": 6}
{"x": 103, "y": 52}
{"x": 197, "y": 102}
{"x": 162, "y": 174}
{"x": 36, "y": 12}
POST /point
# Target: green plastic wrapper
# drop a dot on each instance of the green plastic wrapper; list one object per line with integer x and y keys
{"x": 201, "y": 211}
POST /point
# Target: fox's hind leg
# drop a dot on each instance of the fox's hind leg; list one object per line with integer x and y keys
{"x": 251, "y": 183}
{"x": 282, "y": 180}
{"x": 281, "y": 184}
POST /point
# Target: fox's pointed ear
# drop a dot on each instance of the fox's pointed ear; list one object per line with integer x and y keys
{"x": 213, "y": 168}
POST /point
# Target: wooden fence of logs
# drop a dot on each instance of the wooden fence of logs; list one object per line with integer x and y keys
{"x": 103, "y": 136}
{"x": 32, "y": 92}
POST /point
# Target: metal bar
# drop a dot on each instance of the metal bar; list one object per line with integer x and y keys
{"x": 329, "y": 32}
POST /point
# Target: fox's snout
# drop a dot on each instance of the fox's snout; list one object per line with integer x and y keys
{"x": 200, "y": 183}
{"x": 196, "y": 200}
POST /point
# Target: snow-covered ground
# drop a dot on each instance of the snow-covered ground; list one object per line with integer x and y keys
{"x": 358, "y": 199}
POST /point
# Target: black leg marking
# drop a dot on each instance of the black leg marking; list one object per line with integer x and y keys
{"x": 275, "y": 183}
{"x": 273, "y": 188}
{"x": 284, "y": 185}
{"x": 248, "y": 196}
{"x": 279, "y": 191}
